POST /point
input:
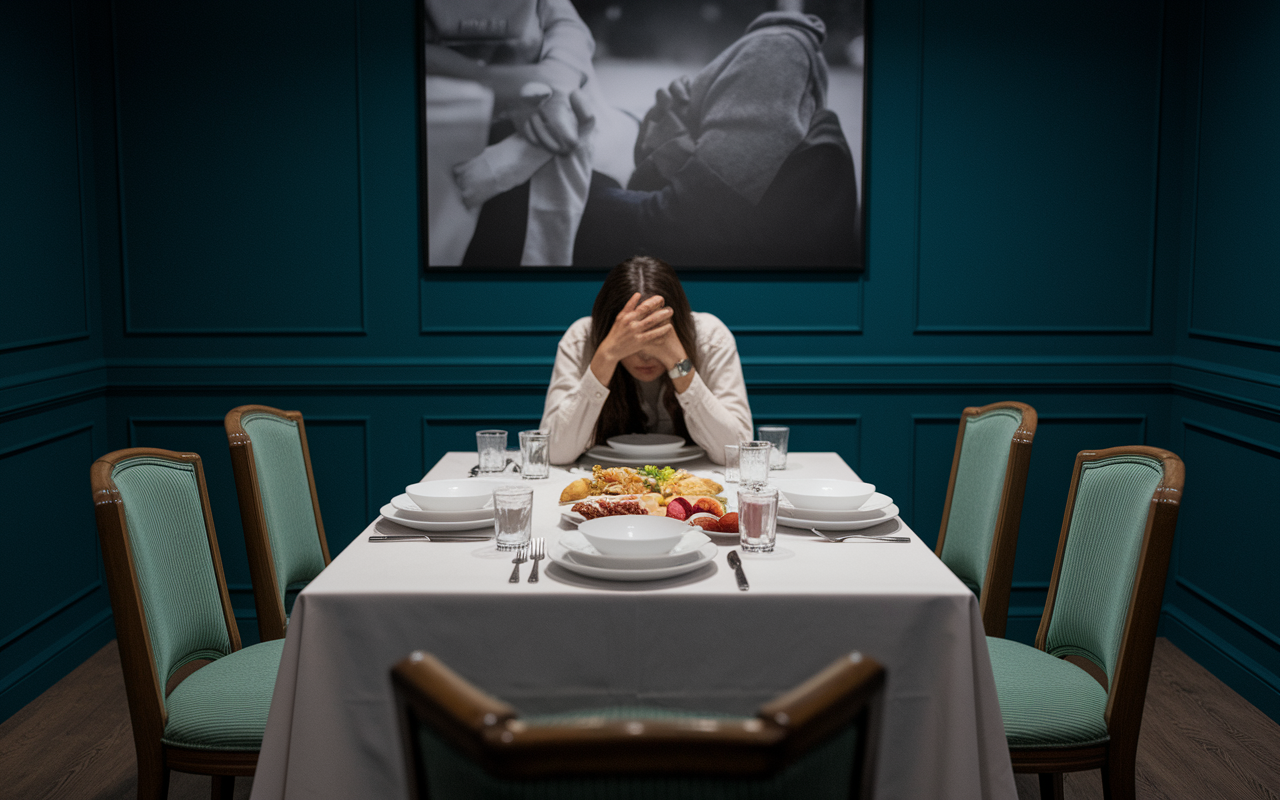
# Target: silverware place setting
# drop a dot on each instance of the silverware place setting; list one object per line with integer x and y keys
{"x": 537, "y": 552}
{"x": 860, "y": 537}
{"x": 522, "y": 555}
{"x": 736, "y": 563}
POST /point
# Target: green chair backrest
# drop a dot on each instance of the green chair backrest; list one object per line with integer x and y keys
{"x": 175, "y": 570}
{"x": 975, "y": 499}
{"x": 286, "y": 498}
{"x": 825, "y": 773}
{"x": 1104, "y": 542}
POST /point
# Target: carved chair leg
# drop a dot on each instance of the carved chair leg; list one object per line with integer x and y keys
{"x": 153, "y": 775}
{"x": 1119, "y": 779}
{"x": 1051, "y": 786}
{"x": 224, "y": 787}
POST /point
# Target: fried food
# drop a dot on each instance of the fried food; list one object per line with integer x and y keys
{"x": 665, "y": 482}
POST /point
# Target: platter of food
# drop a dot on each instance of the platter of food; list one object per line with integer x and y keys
{"x": 656, "y": 491}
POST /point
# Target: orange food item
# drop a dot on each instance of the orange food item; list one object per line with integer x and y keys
{"x": 709, "y": 505}
{"x": 729, "y": 522}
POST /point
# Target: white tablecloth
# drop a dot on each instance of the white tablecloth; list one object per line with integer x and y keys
{"x": 694, "y": 642}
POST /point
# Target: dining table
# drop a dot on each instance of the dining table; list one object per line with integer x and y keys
{"x": 693, "y": 642}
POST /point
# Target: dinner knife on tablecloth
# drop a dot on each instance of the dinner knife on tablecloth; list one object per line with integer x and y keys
{"x": 736, "y": 563}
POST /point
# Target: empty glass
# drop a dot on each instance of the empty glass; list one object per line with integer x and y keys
{"x": 492, "y": 448}
{"x": 512, "y": 516}
{"x": 753, "y": 463}
{"x": 535, "y": 452}
{"x": 757, "y": 519}
{"x": 776, "y": 435}
{"x": 730, "y": 463}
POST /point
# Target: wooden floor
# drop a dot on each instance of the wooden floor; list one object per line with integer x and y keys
{"x": 1200, "y": 741}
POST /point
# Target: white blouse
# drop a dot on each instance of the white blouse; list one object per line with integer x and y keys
{"x": 715, "y": 405}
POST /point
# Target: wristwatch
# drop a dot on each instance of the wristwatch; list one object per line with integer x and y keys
{"x": 683, "y": 367}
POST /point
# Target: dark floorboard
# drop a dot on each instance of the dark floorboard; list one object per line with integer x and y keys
{"x": 1200, "y": 741}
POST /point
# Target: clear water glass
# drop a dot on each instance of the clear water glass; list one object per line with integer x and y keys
{"x": 757, "y": 519}
{"x": 753, "y": 463}
{"x": 513, "y": 516}
{"x": 730, "y": 463}
{"x": 492, "y": 448}
{"x": 777, "y": 436}
{"x": 535, "y": 453}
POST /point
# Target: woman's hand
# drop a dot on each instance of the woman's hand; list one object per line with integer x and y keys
{"x": 638, "y": 326}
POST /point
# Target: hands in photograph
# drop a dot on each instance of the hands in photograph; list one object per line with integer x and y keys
{"x": 553, "y": 120}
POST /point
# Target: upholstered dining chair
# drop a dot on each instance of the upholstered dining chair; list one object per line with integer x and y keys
{"x": 283, "y": 532}
{"x": 1074, "y": 701}
{"x": 978, "y": 539}
{"x": 816, "y": 741}
{"x": 198, "y": 701}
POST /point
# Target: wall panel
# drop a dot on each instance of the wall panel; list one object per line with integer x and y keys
{"x": 239, "y": 152}
{"x": 1038, "y": 151}
{"x": 43, "y": 280}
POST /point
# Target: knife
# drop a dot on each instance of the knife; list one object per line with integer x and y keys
{"x": 736, "y": 563}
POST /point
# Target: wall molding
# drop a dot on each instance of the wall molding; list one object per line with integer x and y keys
{"x": 49, "y": 614}
{"x": 1229, "y": 611}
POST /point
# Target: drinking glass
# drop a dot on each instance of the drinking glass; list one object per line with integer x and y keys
{"x": 492, "y": 447}
{"x": 730, "y": 463}
{"x": 757, "y": 519}
{"x": 776, "y": 435}
{"x": 535, "y": 452}
{"x": 753, "y": 463}
{"x": 512, "y": 516}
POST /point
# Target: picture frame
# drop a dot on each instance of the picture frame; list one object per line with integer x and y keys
{"x": 570, "y": 135}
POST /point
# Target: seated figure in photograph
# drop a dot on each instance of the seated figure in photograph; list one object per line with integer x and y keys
{"x": 643, "y": 362}
{"x": 741, "y": 164}
{"x": 535, "y": 56}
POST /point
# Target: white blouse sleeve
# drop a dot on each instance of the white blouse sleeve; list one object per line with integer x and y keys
{"x": 715, "y": 405}
{"x": 575, "y": 396}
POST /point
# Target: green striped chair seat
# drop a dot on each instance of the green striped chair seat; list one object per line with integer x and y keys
{"x": 223, "y": 705}
{"x": 1046, "y": 702}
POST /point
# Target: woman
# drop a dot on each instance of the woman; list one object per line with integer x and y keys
{"x": 643, "y": 362}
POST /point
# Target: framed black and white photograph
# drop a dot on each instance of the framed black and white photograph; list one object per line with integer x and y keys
{"x": 579, "y": 133}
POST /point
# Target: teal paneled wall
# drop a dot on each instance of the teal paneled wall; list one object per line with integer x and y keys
{"x": 1225, "y": 416}
{"x": 54, "y": 611}
{"x": 242, "y": 185}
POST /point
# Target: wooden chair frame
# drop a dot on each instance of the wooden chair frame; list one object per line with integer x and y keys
{"x": 488, "y": 730}
{"x": 145, "y": 688}
{"x": 998, "y": 582}
{"x": 1127, "y": 693}
{"x": 267, "y": 591}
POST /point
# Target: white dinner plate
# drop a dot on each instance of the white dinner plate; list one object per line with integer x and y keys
{"x": 563, "y": 556}
{"x": 407, "y": 509}
{"x": 885, "y": 515}
{"x": 389, "y": 511}
{"x": 686, "y": 550}
{"x": 872, "y": 509}
{"x": 608, "y": 455}
{"x": 646, "y": 445}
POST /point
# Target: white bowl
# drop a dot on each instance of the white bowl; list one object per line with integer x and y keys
{"x": 686, "y": 550}
{"x": 825, "y": 493}
{"x": 457, "y": 495}
{"x": 646, "y": 445}
{"x": 633, "y": 534}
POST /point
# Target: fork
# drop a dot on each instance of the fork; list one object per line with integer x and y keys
{"x": 539, "y": 552}
{"x": 853, "y": 537}
{"x": 522, "y": 555}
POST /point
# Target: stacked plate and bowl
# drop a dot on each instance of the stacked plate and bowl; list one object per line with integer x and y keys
{"x": 443, "y": 506}
{"x": 640, "y": 449}
{"x": 831, "y": 505}
{"x": 633, "y": 548}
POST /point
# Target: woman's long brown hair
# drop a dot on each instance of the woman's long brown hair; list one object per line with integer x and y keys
{"x": 622, "y": 412}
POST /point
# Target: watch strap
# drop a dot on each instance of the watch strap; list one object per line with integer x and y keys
{"x": 682, "y": 368}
